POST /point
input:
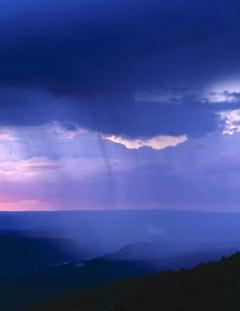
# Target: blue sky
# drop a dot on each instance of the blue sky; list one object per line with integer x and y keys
{"x": 119, "y": 104}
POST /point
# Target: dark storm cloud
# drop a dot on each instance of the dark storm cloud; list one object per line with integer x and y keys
{"x": 94, "y": 57}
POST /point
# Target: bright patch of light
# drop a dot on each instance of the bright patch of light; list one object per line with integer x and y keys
{"x": 231, "y": 121}
{"x": 227, "y": 92}
{"x": 157, "y": 142}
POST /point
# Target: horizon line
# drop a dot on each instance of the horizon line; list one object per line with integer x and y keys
{"x": 120, "y": 210}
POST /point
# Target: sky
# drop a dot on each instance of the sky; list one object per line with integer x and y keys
{"x": 119, "y": 105}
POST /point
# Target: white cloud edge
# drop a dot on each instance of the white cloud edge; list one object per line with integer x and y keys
{"x": 157, "y": 142}
{"x": 231, "y": 121}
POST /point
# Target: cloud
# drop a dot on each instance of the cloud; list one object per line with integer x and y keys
{"x": 171, "y": 93}
{"x": 6, "y": 137}
{"x": 74, "y": 173}
{"x": 223, "y": 97}
{"x": 227, "y": 91}
{"x": 68, "y": 131}
{"x": 231, "y": 121}
{"x": 37, "y": 164}
{"x": 157, "y": 142}
{"x": 94, "y": 62}
{"x": 22, "y": 170}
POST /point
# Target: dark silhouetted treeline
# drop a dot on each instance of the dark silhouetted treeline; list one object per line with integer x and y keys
{"x": 214, "y": 286}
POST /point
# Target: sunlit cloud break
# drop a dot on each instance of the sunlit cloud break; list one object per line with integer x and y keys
{"x": 231, "y": 121}
{"x": 227, "y": 92}
{"x": 223, "y": 97}
{"x": 157, "y": 142}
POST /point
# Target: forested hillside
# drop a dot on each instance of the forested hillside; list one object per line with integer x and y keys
{"x": 214, "y": 286}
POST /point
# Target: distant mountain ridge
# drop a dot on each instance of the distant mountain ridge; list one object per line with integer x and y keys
{"x": 108, "y": 231}
{"x": 167, "y": 249}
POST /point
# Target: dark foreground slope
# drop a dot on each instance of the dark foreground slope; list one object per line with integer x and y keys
{"x": 212, "y": 286}
{"x": 48, "y": 284}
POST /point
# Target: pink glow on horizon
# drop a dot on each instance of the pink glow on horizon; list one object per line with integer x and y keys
{"x": 11, "y": 204}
